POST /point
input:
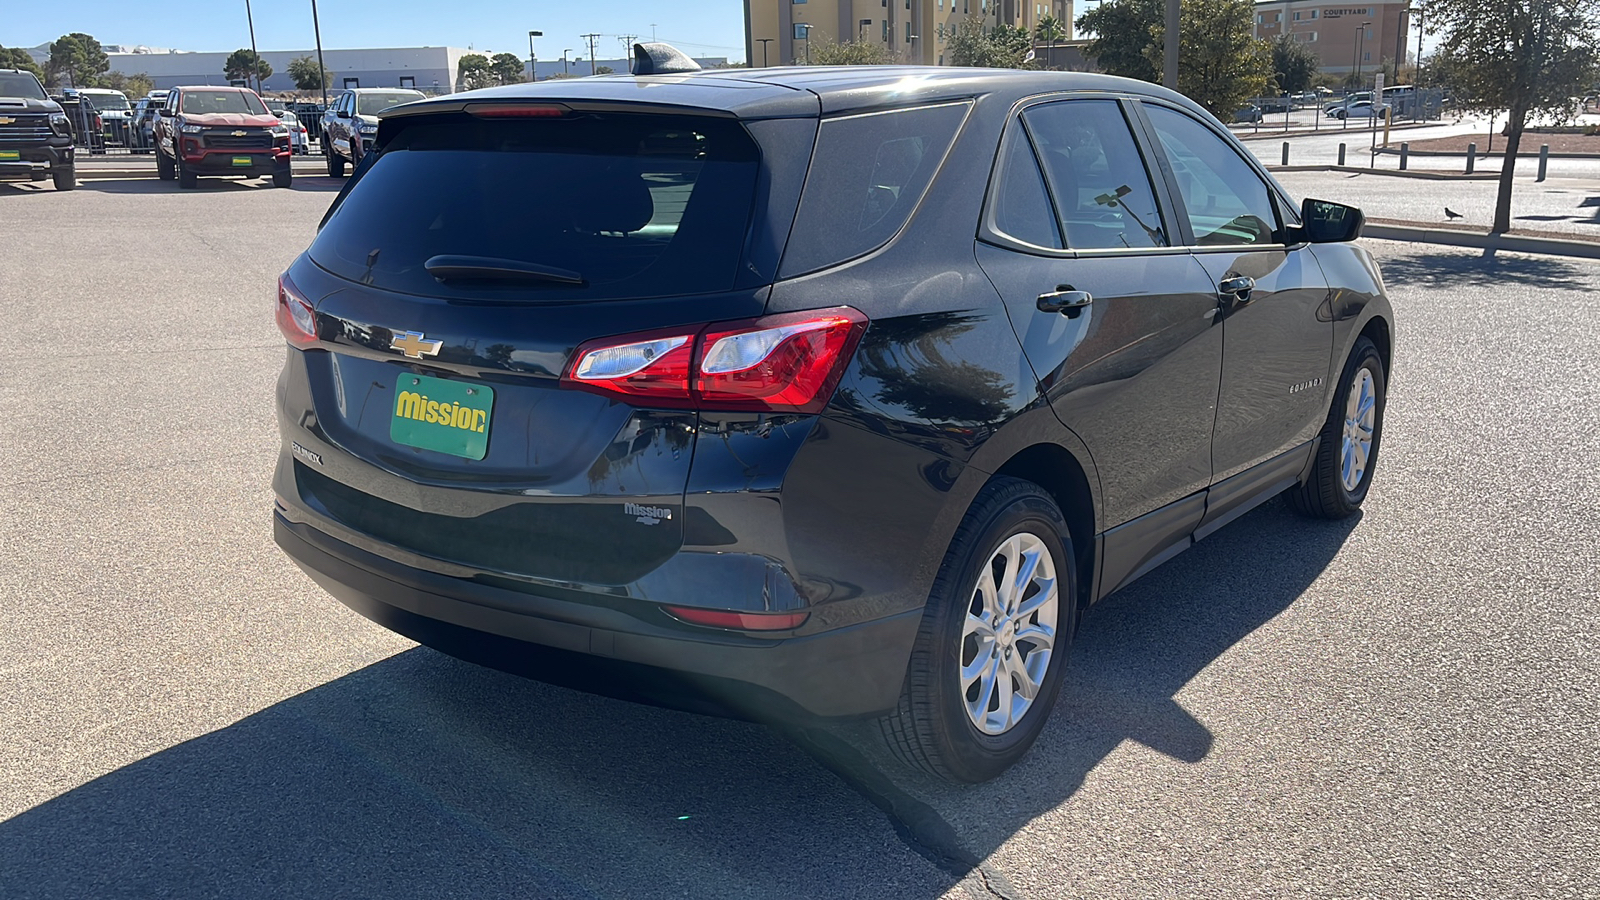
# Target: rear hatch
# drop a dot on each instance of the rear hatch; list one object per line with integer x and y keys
{"x": 451, "y": 285}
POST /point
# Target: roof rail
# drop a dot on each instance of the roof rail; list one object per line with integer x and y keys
{"x": 661, "y": 59}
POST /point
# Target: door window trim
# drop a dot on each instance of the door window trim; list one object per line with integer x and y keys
{"x": 1281, "y": 203}
{"x": 1015, "y": 129}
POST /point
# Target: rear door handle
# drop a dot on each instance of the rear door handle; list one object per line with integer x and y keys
{"x": 1065, "y": 300}
{"x": 1236, "y": 288}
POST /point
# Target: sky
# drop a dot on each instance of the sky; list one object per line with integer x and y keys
{"x": 698, "y": 27}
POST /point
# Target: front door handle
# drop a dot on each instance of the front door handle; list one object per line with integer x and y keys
{"x": 1065, "y": 300}
{"x": 1237, "y": 288}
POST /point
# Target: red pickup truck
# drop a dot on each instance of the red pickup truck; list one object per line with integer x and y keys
{"x": 209, "y": 130}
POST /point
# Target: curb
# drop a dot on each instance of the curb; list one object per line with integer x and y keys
{"x": 96, "y": 174}
{"x": 1393, "y": 173}
{"x": 1510, "y": 242}
{"x": 1317, "y": 132}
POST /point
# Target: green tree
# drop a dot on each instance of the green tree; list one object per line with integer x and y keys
{"x": 604, "y": 70}
{"x": 1525, "y": 57}
{"x": 1221, "y": 63}
{"x": 1122, "y": 39}
{"x": 1000, "y": 47}
{"x": 1293, "y": 63}
{"x": 244, "y": 64}
{"x": 506, "y": 68}
{"x": 79, "y": 57}
{"x": 473, "y": 72}
{"x": 1050, "y": 30}
{"x": 849, "y": 53}
{"x": 307, "y": 75}
{"x": 135, "y": 86}
{"x": 16, "y": 58}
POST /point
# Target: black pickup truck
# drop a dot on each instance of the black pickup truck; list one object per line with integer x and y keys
{"x": 35, "y": 134}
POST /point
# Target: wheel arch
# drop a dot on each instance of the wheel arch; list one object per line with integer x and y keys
{"x": 1377, "y": 331}
{"x": 1054, "y": 469}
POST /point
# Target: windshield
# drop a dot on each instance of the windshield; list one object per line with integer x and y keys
{"x": 372, "y": 104}
{"x": 20, "y": 84}
{"x": 204, "y": 102}
{"x": 636, "y": 205}
{"x": 108, "y": 100}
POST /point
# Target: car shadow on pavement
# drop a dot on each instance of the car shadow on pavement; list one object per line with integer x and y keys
{"x": 421, "y": 776}
{"x": 1469, "y": 267}
{"x": 154, "y": 185}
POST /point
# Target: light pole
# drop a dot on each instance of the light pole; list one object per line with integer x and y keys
{"x": 255, "y": 60}
{"x": 322, "y": 71}
{"x": 806, "y": 30}
{"x": 533, "y": 59}
{"x": 564, "y": 60}
{"x": 1361, "y": 38}
{"x": 764, "y": 42}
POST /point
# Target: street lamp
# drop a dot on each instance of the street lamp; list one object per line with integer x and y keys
{"x": 533, "y": 61}
{"x": 564, "y": 60}
{"x": 806, "y": 30}
{"x": 764, "y": 42}
{"x": 1361, "y": 37}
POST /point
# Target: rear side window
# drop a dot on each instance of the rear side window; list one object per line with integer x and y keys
{"x": 1103, "y": 193}
{"x": 867, "y": 174}
{"x": 636, "y": 205}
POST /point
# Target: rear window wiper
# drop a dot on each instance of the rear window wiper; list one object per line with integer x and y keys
{"x": 492, "y": 268}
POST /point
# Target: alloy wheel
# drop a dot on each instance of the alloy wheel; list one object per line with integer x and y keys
{"x": 1009, "y": 633}
{"x": 1360, "y": 419}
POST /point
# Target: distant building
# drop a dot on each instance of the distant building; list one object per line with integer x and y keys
{"x": 782, "y": 32}
{"x": 1343, "y": 37}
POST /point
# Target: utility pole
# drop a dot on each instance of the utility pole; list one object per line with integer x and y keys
{"x": 652, "y": 32}
{"x": 533, "y": 58}
{"x": 1169, "y": 71}
{"x": 590, "y": 38}
{"x": 322, "y": 71}
{"x": 255, "y": 62}
{"x": 564, "y": 60}
{"x": 627, "y": 44}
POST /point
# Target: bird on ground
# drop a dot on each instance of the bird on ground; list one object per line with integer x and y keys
{"x": 1451, "y": 214}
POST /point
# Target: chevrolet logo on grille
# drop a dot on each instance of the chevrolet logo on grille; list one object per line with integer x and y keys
{"x": 414, "y": 345}
{"x": 6, "y": 120}
{"x": 240, "y": 133}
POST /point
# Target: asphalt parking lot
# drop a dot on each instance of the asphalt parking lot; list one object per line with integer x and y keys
{"x": 1405, "y": 704}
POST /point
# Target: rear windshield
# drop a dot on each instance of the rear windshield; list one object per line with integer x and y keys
{"x": 635, "y": 205}
{"x": 372, "y": 104}
{"x": 205, "y": 102}
{"x": 21, "y": 84}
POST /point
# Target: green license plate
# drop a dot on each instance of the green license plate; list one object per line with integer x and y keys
{"x": 241, "y": 160}
{"x": 445, "y": 416}
{"x": 10, "y": 155}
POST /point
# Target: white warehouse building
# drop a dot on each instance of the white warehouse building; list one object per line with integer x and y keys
{"x": 428, "y": 69}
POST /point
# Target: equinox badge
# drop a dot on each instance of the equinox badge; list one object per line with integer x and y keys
{"x": 414, "y": 345}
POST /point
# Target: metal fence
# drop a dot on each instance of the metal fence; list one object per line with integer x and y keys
{"x": 1341, "y": 110}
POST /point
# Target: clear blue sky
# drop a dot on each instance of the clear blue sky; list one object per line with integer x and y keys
{"x": 698, "y": 27}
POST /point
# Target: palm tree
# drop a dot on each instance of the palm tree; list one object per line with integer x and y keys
{"x": 1050, "y": 30}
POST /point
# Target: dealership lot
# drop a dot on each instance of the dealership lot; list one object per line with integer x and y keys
{"x": 1405, "y": 704}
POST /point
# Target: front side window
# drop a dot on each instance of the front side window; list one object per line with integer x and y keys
{"x": 1103, "y": 195}
{"x": 1226, "y": 201}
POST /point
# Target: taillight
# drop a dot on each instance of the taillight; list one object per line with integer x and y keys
{"x": 742, "y": 621}
{"x": 784, "y": 363}
{"x": 295, "y": 318}
{"x": 517, "y": 110}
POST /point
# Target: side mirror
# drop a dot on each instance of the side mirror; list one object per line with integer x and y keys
{"x": 1326, "y": 222}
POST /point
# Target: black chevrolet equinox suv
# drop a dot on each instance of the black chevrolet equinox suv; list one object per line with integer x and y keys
{"x": 810, "y": 392}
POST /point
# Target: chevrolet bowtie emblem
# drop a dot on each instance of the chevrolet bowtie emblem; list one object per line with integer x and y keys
{"x": 6, "y": 120}
{"x": 240, "y": 133}
{"x": 414, "y": 345}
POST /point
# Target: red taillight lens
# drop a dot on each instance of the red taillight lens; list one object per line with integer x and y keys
{"x": 295, "y": 318}
{"x": 652, "y": 366}
{"x": 789, "y": 363}
{"x": 742, "y": 621}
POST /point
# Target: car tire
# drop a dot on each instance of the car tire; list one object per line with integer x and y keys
{"x": 65, "y": 178}
{"x": 936, "y": 725}
{"x": 165, "y": 170}
{"x": 1347, "y": 453}
{"x": 335, "y": 164}
{"x": 186, "y": 176}
{"x": 283, "y": 179}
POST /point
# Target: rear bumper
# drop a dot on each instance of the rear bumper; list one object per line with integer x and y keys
{"x": 628, "y": 649}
